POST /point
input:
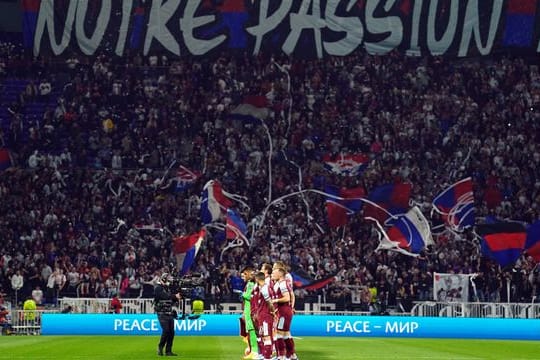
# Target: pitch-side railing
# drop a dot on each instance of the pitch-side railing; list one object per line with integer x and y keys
{"x": 477, "y": 310}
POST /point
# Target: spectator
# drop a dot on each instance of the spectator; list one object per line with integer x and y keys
{"x": 45, "y": 89}
{"x": 116, "y": 304}
{"x": 17, "y": 282}
{"x": 5, "y": 323}
{"x": 37, "y": 295}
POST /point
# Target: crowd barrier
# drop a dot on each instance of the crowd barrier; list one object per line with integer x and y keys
{"x": 477, "y": 310}
{"x": 26, "y": 322}
{"x": 145, "y": 306}
{"x": 427, "y": 308}
{"x": 303, "y": 325}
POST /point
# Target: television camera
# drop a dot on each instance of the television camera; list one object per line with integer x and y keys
{"x": 187, "y": 286}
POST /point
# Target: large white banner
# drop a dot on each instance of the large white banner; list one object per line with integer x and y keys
{"x": 451, "y": 287}
{"x": 305, "y": 28}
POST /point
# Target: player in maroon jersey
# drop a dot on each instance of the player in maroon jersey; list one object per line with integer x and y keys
{"x": 283, "y": 298}
{"x": 265, "y": 315}
{"x": 286, "y": 334}
{"x": 266, "y": 268}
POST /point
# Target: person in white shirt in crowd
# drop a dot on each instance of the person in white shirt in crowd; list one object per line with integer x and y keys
{"x": 17, "y": 282}
{"x": 37, "y": 295}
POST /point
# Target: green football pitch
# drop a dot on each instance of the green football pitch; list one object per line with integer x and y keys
{"x": 231, "y": 348}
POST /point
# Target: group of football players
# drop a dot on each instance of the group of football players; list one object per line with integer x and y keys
{"x": 268, "y": 300}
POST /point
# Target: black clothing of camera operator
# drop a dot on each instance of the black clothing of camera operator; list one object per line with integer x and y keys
{"x": 164, "y": 301}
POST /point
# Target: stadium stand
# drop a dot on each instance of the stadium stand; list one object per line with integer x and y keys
{"x": 102, "y": 147}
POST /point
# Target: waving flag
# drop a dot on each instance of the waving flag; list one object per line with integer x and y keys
{"x": 503, "y": 242}
{"x": 185, "y": 178}
{"x": 456, "y": 205}
{"x": 341, "y": 203}
{"x": 346, "y": 164}
{"x": 186, "y": 248}
{"x": 409, "y": 234}
{"x": 394, "y": 198}
{"x": 252, "y": 108}
{"x": 302, "y": 280}
{"x": 235, "y": 232}
{"x": 532, "y": 245}
{"x": 214, "y": 203}
{"x": 236, "y": 227}
{"x": 5, "y": 159}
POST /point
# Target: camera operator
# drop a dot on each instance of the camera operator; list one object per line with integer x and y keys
{"x": 163, "y": 303}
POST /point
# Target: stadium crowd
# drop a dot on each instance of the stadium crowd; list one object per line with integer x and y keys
{"x": 91, "y": 190}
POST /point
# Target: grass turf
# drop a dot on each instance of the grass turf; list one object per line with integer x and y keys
{"x": 231, "y": 348}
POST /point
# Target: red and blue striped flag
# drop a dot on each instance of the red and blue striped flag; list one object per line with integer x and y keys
{"x": 341, "y": 203}
{"x": 503, "y": 241}
{"x": 532, "y": 245}
{"x": 389, "y": 199}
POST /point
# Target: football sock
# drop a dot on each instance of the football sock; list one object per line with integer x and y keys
{"x": 267, "y": 349}
{"x": 289, "y": 345}
{"x": 280, "y": 345}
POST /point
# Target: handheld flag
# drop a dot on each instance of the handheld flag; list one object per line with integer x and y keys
{"x": 503, "y": 241}
{"x": 301, "y": 280}
{"x": 532, "y": 245}
{"x": 252, "y": 108}
{"x": 214, "y": 202}
{"x": 346, "y": 164}
{"x": 185, "y": 178}
{"x": 235, "y": 225}
{"x": 409, "y": 235}
{"x": 186, "y": 248}
{"x": 389, "y": 199}
{"x": 342, "y": 203}
{"x": 456, "y": 205}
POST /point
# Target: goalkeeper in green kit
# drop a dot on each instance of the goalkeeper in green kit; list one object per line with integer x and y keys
{"x": 249, "y": 332}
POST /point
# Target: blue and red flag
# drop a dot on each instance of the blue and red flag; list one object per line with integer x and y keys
{"x": 236, "y": 227}
{"x": 252, "y": 108}
{"x": 5, "y": 159}
{"x": 532, "y": 245}
{"x": 214, "y": 203}
{"x": 388, "y": 199}
{"x": 519, "y": 23}
{"x": 185, "y": 178}
{"x": 409, "y": 235}
{"x": 304, "y": 281}
{"x": 341, "y": 203}
{"x": 456, "y": 205}
{"x": 503, "y": 241}
{"x": 346, "y": 164}
{"x": 30, "y": 11}
{"x": 186, "y": 248}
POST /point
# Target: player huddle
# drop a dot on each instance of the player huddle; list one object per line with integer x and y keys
{"x": 268, "y": 300}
